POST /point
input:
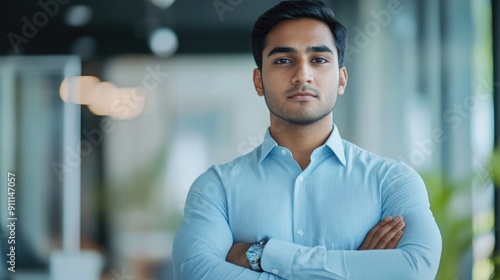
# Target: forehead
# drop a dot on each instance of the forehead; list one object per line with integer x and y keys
{"x": 300, "y": 33}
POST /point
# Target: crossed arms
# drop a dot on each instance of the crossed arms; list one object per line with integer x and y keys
{"x": 385, "y": 235}
{"x": 205, "y": 240}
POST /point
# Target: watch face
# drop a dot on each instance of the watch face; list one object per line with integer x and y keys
{"x": 254, "y": 253}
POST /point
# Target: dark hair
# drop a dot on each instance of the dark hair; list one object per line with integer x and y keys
{"x": 288, "y": 10}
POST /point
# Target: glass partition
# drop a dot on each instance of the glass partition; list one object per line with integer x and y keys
{"x": 40, "y": 138}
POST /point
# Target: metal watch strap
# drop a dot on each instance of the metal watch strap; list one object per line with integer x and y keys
{"x": 256, "y": 265}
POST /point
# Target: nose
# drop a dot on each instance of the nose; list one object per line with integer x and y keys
{"x": 303, "y": 74}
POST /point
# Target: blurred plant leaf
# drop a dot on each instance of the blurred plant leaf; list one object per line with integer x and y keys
{"x": 456, "y": 230}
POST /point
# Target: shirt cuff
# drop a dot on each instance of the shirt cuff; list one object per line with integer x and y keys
{"x": 278, "y": 258}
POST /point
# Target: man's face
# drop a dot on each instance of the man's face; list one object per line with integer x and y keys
{"x": 300, "y": 77}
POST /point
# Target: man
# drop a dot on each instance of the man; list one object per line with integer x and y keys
{"x": 305, "y": 204}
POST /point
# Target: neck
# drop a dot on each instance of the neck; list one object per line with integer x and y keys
{"x": 301, "y": 140}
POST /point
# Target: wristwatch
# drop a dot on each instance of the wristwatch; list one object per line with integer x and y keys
{"x": 254, "y": 253}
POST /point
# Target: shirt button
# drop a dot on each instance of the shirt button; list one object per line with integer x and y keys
{"x": 275, "y": 271}
{"x": 283, "y": 152}
{"x": 300, "y": 232}
{"x": 301, "y": 178}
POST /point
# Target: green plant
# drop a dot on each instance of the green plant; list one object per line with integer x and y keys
{"x": 455, "y": 227}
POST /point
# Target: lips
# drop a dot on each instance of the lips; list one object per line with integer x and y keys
{"x": 302, "y": 95}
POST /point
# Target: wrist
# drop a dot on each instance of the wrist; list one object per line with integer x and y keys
{"x": 254, "y": 255}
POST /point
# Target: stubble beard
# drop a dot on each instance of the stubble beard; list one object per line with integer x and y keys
{"x": 304, "y": 120}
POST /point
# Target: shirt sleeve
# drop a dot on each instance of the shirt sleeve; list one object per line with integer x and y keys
{"x": 204, "y": 238}
{"x": 417, "y": 255}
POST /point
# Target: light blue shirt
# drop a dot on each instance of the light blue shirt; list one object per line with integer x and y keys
{"x": 316, "y": 218}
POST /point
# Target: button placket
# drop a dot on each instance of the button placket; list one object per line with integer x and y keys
{"x": 299, "y": 232}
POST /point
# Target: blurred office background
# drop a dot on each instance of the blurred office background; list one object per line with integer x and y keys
{"x": 110, "y": 109}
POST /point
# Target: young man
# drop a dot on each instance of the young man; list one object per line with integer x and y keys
{"x": 305, "y": 204}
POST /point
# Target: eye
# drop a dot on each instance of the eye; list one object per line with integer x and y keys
{"x": 320, "y": 60}
{"x": 282, "y": 61}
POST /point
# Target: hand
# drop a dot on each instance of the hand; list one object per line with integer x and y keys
{"x": 385, "y": 235}
{"x": 237, "y": 255}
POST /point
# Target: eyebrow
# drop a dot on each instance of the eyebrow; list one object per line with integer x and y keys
{"x": 292, "y": 50}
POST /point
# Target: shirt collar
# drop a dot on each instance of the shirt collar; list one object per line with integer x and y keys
{"x": 266, "y": 147}
{"x": 334, "y": 142}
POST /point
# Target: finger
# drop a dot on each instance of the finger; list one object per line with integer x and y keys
{"x": 394, "y": 241}
{"x": 371, "y": 233}
{"x": 369, "y": 236}
{"x": 379, "y": 237}
{"x": 378, "y": 232}
{"x": 386, "y": 234}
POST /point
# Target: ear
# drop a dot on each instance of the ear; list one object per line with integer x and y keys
{"x": 342, "y": 80}
{"x": 257, "y": 81}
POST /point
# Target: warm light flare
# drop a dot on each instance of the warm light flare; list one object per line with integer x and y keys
{"x": 103, "y": 98}
{"x": 78, "y": 90}
{"x": 118, "y": 103}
